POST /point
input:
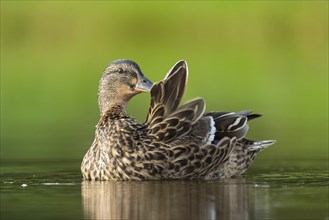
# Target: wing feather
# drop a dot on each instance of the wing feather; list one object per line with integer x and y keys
{"x": 231, "y": 124}
{"x": 166, "y": 121}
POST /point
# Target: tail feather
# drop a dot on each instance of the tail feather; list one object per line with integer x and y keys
{"x": 261, "y": 145}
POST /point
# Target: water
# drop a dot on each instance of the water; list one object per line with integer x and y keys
{"x": 54, "y": 190}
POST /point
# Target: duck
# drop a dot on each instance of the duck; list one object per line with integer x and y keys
{"x": 176, "y": 141}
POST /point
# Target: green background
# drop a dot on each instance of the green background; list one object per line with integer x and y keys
{"x": 271, "y": 57}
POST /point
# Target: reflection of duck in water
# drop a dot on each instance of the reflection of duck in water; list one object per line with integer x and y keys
{"x": 168, "y": 200}
{"x": 175, "y": 142}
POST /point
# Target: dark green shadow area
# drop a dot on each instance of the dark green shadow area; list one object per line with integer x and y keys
{"x": 54, "y": 189}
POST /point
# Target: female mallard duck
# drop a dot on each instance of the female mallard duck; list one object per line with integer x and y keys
{"x": 175, "y": 142}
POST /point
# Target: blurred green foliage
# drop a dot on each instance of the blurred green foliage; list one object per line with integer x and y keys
{"x": 271, "y": 57}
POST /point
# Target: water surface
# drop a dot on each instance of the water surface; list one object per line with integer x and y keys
{"x": 55, "y": 190}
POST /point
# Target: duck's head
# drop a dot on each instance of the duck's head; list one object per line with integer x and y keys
{"x": 120, "y": 81}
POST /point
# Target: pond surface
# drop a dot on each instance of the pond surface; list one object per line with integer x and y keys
{"x": 270, "y": 190}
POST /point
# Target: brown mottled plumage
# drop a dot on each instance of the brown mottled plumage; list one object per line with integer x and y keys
{"x": 175, "y": 142}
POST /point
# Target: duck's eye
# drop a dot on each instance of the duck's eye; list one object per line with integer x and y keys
{"x": 120, "y": 70}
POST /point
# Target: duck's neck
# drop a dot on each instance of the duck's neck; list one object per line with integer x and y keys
{"x": 109, "y": 106}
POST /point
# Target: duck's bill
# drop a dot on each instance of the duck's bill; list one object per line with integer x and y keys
{"x": 143, "y": 85}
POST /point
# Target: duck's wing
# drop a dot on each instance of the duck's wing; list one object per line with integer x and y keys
{"x": 166, "y": 121}
{"x": 167, "y": 94}
{"x": 231, "y": 124}
{"x": 194, "y": 161}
